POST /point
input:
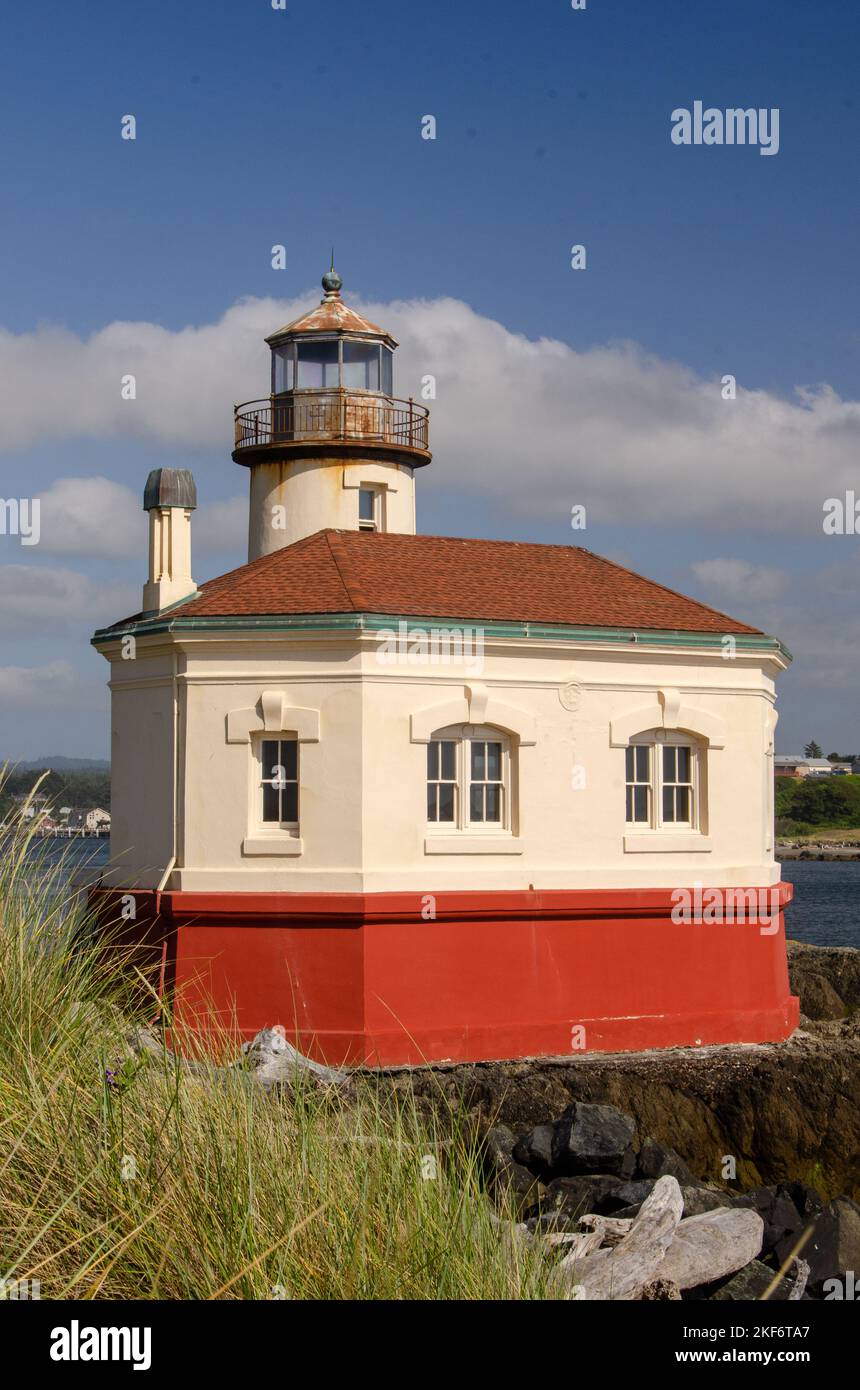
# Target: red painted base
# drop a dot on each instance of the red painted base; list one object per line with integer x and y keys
{"x": 391, "y": 978}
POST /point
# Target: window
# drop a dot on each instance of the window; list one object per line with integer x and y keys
{"x": 639, "y": 786}
{"x": 360, "y": 366}
{"x": 485, "y": 782}
{"x": 370, "y": 508}
{"x": 468, "y": 779}
{"x": 317, "y": 365}
{"x": 283, "y": 368}
{"x": 677, "y": 786}
{"x": 387, "y": 371}
{"x": 442, "y": 781}
{"x": 280, "y": 782}
{"x": 661, "y": 782}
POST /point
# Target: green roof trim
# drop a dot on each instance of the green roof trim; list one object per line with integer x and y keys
{"x": 375, "y": 622}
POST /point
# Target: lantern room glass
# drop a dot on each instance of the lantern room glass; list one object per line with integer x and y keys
{"x": 318, "y": 367}
{"x": 283, "y": 368}
{"x": 326, "y": 364}
{"x": 360, "y": 366}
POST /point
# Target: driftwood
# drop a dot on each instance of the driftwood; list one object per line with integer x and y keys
{"x": 621, "y": 1273}
{"x": 613, "y": 1229}
{"x": 268, "y": 1059}
{"x": 798, "y": 1288}
{"x": 580, "y": 1243}
{"x": 274, "y": 1060}
{"x": 710, "y": 1246}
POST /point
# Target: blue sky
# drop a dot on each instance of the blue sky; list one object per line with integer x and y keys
{"x": 302, "y": 127}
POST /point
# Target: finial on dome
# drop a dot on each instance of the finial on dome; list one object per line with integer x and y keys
{"x": 331, "y": 281}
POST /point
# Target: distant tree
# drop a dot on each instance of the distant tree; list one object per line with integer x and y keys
{"x": 812, "y": 750}
{"x": 836, "y": 758}
{"x": 823, "y": 802}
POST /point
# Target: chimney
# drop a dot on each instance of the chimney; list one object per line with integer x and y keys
{"x": 170, "y": 496}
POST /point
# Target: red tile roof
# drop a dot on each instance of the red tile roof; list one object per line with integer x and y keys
{"x": 445, "y": 577}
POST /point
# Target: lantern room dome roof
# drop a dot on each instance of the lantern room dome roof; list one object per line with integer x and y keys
{"x": 331, "y": 316}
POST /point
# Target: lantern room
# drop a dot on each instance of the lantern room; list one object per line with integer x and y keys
{"x": 331, "y": 445}
{"x": 333, "y": 351}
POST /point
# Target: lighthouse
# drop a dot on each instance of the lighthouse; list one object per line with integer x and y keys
{"x": 432, "y": 798}
{"x": 331, "y": 445}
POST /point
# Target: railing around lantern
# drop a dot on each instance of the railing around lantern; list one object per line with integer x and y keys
{"x": 336, "y": 417}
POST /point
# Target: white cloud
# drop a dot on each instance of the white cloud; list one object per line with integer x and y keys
{"x": 91, "y": 516}
{"x": 38, "y": 602}
{"x": 741, "y": 580}
{"x": 220, "y": 526}
{"x": 39, "y": 687}
{"x": 97, "y": 517}
{"x": 532, "y": 426}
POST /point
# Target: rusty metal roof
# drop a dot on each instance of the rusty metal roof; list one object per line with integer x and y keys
{"x": 332, "y": 316}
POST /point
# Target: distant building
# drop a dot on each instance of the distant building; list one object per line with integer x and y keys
{"x": 797, "y": 765}
{"x": 97, "y": 818}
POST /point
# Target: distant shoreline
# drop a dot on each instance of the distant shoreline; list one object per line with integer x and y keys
{"x": 828, "y": 851}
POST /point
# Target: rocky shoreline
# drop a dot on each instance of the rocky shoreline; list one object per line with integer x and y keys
{"x": 829, "y": 851}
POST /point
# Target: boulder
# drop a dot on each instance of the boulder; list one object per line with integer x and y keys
{"x": 750, "y": 1283}
{"x": 839, "y": 966}
{"x": 847, "y": 1215}
{"x": 808, "y": 1202}
{"x": 707, "y": 1247}
{"x": 594, "y": 1139}
{"x": 776, "y": 1209}
{"x": 629, "y": 1196}
{"x": 818, "y": 998}
{"x": 509, "y": 1178}
{"x": 834, "y": 1246}
{"x": 577, "y": 1196}
{"x": 655, "y": 1161}
{"x": 697, "y": 1199}
{"x": 535, "y": 1149}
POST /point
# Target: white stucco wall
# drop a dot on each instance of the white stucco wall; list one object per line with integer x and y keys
{"x": 295, "y": 498}
{"x": 363, "y": 764}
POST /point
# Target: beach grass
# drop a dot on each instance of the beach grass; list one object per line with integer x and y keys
{"x": 126, "y": 1176}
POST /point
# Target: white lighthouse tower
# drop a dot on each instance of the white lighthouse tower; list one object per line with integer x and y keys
{"x": 331, "y": 446}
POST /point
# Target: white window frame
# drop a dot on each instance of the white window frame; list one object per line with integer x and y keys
{"x": 377, "y": 523}
{"x": 270, "y": 780}
{"x": 271, "y": 837}
{"x": 462, "y": 736}
{"x": 656, "y": 740}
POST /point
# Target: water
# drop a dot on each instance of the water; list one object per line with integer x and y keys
{"x": 74, "y": 855}
{"x": 826, "y": 907}
{"x": 825, "y": 911}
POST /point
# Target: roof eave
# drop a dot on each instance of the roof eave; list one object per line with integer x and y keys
{"x": 683, "y": 639}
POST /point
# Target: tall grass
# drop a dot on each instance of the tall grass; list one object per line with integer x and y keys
{"x": 125, "y": 1176}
